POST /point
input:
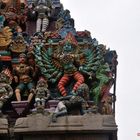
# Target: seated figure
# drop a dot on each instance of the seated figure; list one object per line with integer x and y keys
{"x": 42, "y": 94}
{"x": 23, "y": 76}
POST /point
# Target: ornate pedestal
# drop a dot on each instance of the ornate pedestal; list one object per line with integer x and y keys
{"x": 86, "y": 127}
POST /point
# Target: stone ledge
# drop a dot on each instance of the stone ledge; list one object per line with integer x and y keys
{"x": 85, "y": 123}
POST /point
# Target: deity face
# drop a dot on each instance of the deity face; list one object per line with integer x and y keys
{"x": 67, "y": 47}
{"x": 22, "y": 59}
{"x": 19, "y": 39}
{"x": 42, "y": 83}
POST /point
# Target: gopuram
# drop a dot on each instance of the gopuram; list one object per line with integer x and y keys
{"x": 56, "y": 83}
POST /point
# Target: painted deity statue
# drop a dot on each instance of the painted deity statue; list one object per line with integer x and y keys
{"x": 61, "y": 64}
{"x": 69, "y": 64}
{"x": 42, "y": 19}
{"x": 23, "y": 75}
{"x": 67, "y": 59}
{"x": 42, "y": 93}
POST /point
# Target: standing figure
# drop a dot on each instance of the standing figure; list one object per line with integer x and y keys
{"x": 61, "y": 64}
{"x": 23, "y": 75}
{"x": 67, "y": 58}
{"x": 43, "y": 12}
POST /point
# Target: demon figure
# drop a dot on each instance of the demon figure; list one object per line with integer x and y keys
{"x": 79, "y": 100}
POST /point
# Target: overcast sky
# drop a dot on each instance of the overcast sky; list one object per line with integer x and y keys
{"x": 116, "y": 23}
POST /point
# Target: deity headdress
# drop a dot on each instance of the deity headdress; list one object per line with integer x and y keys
{"x": 70, "y": 39}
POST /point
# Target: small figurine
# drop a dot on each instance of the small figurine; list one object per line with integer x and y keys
{"x": 42, "y": 94}
{"x": 6, "y": 90}
{"x": 23, "y": 75}
{"x": 107, "y": 105}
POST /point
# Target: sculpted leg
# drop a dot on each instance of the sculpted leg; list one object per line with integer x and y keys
{"x": 45, "y": 24}
{"x": 61, "y": 85}
{"x": 79, "y": 78}
{"x": 38, "y": 25}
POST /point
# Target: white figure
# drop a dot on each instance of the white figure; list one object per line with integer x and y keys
{"x": 43, "y": 12}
